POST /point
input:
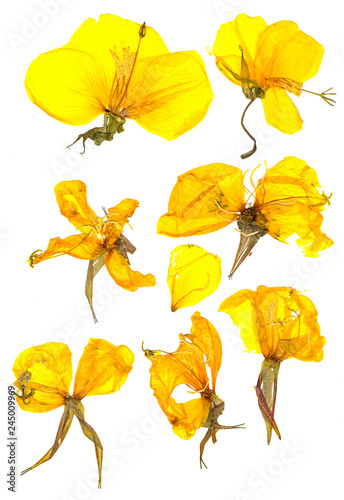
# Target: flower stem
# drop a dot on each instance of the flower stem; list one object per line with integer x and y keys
{"x": 266, "y": 391}
{"x": 254, "y": 149}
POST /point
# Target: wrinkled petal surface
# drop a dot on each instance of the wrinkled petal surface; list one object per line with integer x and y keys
{"x": 186, "y": 366}
{"x": 291, "y": 204}
{"x": 103, "y": 368}
{"x": 47, "y": 370}
{"x": 72, "y": 200}
{"x": 193, "y": 275}
{"x": 123, "y": 275}
{"x": 81, "y": 246}
{"x": 203, "y": 200}
{"x": 279, "y": 322}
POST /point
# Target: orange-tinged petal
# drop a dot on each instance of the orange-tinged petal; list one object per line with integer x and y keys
{"x": 81, "y": 246}
{"x": 72, "y": 200}
{"x": 280, "y": 111}
{"x": 204, "y": 335}
{"x": 284, "y": 51}
{"x": 184, "y": 366}
{"x": 123, "y": 275}
{"x": 45, "y": 371}
{"x": 69, "y": 85}
{"x": 280, "y": 319}
{"x": 203, "y": 200}
{"x": 193, "y": 275}
{"x": 123, "y": 211}
{"x": 291, "y": 204}
{"x": 103, "y": 368}
{"x": 169, "y": 94}
{"x": 244, "y": 32}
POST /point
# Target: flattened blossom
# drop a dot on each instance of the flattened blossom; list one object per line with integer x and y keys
{"x": 279, "y": 323}
{"x": 187, "y": 366}
{"x": 122, "y": 70}
{"x": 101, "y": 240}
{"x": 267, "y": 62}
{"x": 43, "y": 376}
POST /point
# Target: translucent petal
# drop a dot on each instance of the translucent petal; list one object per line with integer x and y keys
{"x": 72, "y": 200}
{"x": 81, "y": 246}
{"x": 203, "y": 200}
{"x": 69, "y": 85}
{"x": 123, "y": 211}
{"x": 47, "y": 370}
{"x": 291, "y": 204}
{"x": 103, "y": 368}
{"x": 280, "y": 111}
{"x": 193, "y": 275}
{"x": 244, "y": 32}
{"x": 169, "y": 94}
{"x": 279, "y": 322}
{"x": 123, "y": 275}
{"x": 204, "y": 335}
{"x": 284, "y": 51}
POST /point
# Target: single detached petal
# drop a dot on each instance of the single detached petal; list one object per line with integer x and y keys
{"x": 281, "y": 320}
{"x": 169, "y": 94}
{"x": 81, "y": 246}
{"x": 123, "y": 275}
{"x": 286, "y": 52}
{"x": 44, "y": 374}
{"x": 280, "y": 111}
{"x": 72, "y": 200}
{"x": 103, "y": 368}
{"x": 203, "y": 200}
{"x": 193, "y": 275}
{"x": 242, "y": 32}
{"x": 291, "y": 204}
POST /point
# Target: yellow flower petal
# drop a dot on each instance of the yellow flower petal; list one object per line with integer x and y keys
{"x": 244, "y": 32}
{"x": 123, "y": 275}
{"x": 240, "y": 308}
{"x": 103, "y": 368}
{"x": 81, "y": 246}
{"x": 72, "y": 201}
{"x": 291, "y": 204}
{"x": 123, "y": 211}
{"x": 193, "y": 275}
{"x": 284, "y": 51}
{"x": 69, "y": 85}
{"x": 280, "y": 111}
{"x": 203, "y": 200}
{"x": 170, "y": 94}
{"x": 45, "y": 370}
{"x": 204, "y": 335}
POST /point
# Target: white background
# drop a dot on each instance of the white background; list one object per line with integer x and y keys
{"x": 142, "y": 456}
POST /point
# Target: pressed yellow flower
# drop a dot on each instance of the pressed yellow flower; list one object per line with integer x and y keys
{"x": 187, "y": 366}
{"x": 279, "y": 323}
{"x": 284, "y": 202}
{"x": 101, "y": 240}
{"x": 267, "y": 62}
{"x": 122, "y": 70}
{"x": 193, "y": 275}
{"x": 44, "y": 374}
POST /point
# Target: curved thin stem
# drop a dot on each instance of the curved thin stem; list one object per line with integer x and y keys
{"x": 254, "y": 149}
